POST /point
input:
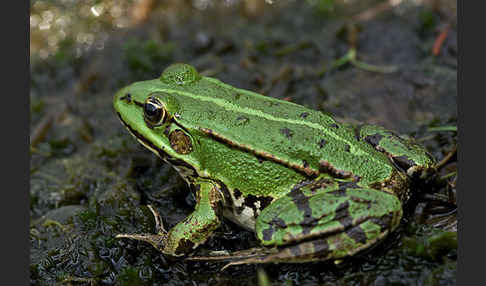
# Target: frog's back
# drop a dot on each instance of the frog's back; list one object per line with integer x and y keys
{"x": 302, "y": 138}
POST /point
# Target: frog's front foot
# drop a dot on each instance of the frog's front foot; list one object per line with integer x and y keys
{"x": 157, "y": 240}
{"x": 194, "y": 230}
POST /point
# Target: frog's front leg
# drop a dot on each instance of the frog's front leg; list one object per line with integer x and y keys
{"x": 329, "y": 222}
{"x": 193, "y": 230}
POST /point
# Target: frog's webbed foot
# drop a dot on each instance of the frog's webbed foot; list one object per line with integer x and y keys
{"x": 156, "y": 240}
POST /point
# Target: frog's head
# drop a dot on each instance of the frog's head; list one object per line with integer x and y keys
{"x": 150, "y": 109}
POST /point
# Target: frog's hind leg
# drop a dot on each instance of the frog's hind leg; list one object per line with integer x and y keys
{"x": 311, "y": 224}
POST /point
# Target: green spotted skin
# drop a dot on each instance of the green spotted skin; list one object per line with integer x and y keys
{"x": 339, "y": 220}
{"x": 293, "y": 175}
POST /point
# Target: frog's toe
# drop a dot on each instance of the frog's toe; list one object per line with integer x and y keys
{"x": 247, "y": 256}
{"x": 156, "y": 240}
{"x": 303, "y": 252}
{"x": 159, "y": 226}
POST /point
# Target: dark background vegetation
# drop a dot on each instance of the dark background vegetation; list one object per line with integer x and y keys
{"x": 89, "y": 180}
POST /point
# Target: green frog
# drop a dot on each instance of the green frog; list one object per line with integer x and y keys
{"x": 309, "y": 187}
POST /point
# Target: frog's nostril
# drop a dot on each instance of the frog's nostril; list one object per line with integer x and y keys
{"x": 126, "y": 97}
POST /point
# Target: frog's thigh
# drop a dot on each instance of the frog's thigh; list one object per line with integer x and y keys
{"x": 323, "y": 224}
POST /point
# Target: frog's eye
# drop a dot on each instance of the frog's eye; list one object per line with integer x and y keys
{"x": 154, "y": 111}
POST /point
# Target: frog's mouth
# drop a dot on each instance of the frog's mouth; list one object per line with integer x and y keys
{"x": 146, "y": 143}
{"x": 182, "y": 167}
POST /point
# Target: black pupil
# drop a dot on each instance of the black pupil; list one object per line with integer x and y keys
{"x": 152, "y": 111}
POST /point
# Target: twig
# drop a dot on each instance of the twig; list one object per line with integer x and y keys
{"x": 439, "y": 41}
{"x": 350, "y": 57}
{"x": 446, "y": 158}
{"x": 375, "y": 10}
{"x": 40, "y": 131}
{"x": 293, "y": 48}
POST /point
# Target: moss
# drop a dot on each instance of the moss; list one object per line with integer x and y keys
{"x": 129, "y": 277}
{"x": 433, "y": 247}
{"x": 428, "y": 22}
{"x": 88, "y": 217}
{"x": 62, "y": 147}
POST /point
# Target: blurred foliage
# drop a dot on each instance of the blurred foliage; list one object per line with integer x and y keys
{"x": 147, "y": 56}
{"x": 323, "y": 6}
